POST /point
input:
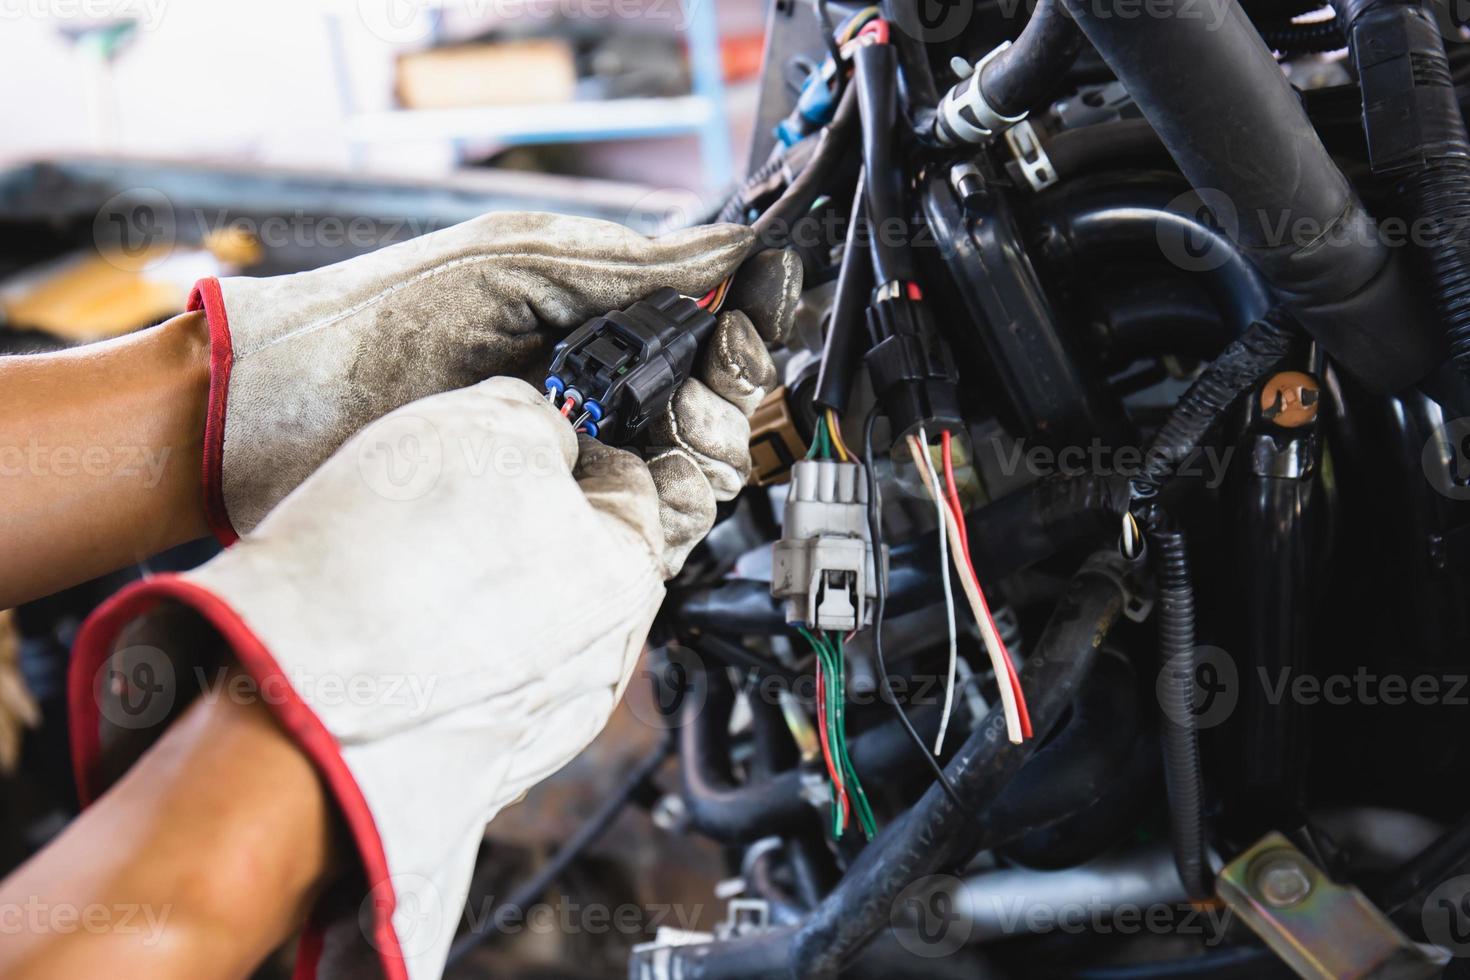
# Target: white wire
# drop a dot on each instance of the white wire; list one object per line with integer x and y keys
{"x": 922, "y": 459}
{"x": 993, "y": 646}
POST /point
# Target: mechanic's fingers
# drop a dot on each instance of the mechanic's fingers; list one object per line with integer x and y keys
{"x": 618, "y": 484}
{"x": 16, "y": 702}
{"x": 714, "y": 432}
{"x": 18, "y": 711}
{"x": 767, "y": 288}
{"x": 569, "y": 269}
{"x": 735, "y": 364}
{"x": 686, "y": 508}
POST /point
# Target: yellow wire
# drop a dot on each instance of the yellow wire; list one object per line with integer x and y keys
{"x": 836, "y": 432}
{"x": 856, "y": 23}
{"x": 724, "y": 290}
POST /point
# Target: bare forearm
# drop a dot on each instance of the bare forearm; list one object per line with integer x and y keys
{"x": 100, "y": 452}
{"x": 199, "y": 862}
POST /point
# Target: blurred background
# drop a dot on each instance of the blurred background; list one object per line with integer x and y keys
{"x": 149, "y": 143}
{"x": 390, "y": 87}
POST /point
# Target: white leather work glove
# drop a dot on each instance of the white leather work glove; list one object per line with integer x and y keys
{"x": 442, "y": 615}
{"x": 301, "y": 362}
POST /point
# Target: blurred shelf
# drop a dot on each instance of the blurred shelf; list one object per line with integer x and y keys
{"x": 577, "y": 121}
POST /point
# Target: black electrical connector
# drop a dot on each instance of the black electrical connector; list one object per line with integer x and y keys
{"x": 617, "y": 370}
{"x": 911, "y": 367}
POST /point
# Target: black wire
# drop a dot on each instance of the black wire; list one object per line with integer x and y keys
{"x": 829, "y": 35}
{"x": 875, "y": 532}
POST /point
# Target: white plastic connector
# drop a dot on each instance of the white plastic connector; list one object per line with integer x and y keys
{"x": 822, "y": 567}
{"x": 964, "y": 116}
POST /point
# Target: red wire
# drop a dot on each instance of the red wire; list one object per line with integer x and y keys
{"x": 952, "y": 497}
{"x": 877, "y": 28}
{"x": 566, "y": 409}
{"x": 826, "y": 750}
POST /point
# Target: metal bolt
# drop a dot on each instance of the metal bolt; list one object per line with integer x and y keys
{"x": 967, "y": 182}
{"x": 1290, "y": 399}
{"x": 1283, "y": 882}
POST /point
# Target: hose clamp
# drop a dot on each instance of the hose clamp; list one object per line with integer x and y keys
{"x": 964, "y": 115}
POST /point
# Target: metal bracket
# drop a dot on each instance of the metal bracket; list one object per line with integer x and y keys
{"x": 744, "y": 916}
{"x": 1031, "y": 157}
{"x": 1318, "y": 927}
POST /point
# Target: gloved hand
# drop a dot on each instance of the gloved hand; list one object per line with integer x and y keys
{"x": 301, "y": 362}
{"x": 438, "y": 633}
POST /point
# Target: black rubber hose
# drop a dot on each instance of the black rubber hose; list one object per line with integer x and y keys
{"x": 1314, "y": 37}
{"x": 1117, "y": 145}
{"x": 873, "y": 77}
{"x": 721, "y": 650}
{"x": 584, "y": 837}
{"x": 1237, "y": 370}
{"x": 759, "y": 874}
{"x": 1080, "y": 764}
{"x": 935, "y": 833}
{"x": 1091, "y": 223}
{"x": 846, "y": 340}
{"x": 1183, "y": 778}
{"x": 1217, "y": 98}
{"x": 1028, "y": 71}
{"x": 910, "y": 37}
{"x": 831, "y": 154}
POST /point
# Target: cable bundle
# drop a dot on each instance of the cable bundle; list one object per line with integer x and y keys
{"x": 847, "y": 789}
{"x": 952, "y": 527}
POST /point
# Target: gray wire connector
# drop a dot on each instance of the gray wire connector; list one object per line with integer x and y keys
{"x": 823, "y": 568}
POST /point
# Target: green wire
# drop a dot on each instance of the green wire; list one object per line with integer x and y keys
{"x": 827, "y": 709}
{"x": 832, "y": 659}
{"x": 864, "y": 810}
{"x": 820, "y": 448}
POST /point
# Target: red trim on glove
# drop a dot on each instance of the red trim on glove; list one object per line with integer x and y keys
{"x": 309, "y": 950}
{"x": 93, "y": 647}
{"x": 206, "y": 295}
